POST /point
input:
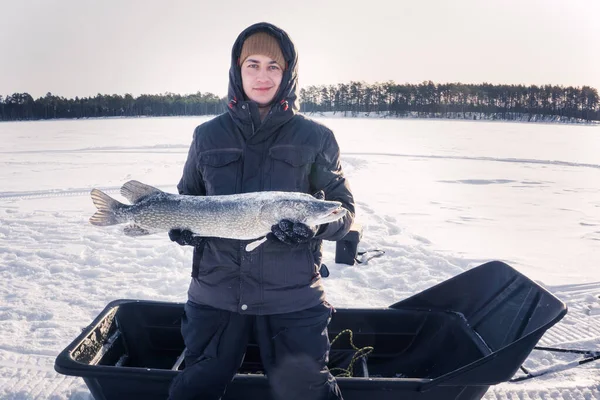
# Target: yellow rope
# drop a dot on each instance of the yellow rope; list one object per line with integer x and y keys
{"x": 362, "y": 352}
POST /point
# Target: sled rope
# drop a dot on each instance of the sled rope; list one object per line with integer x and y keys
{"x": 360, "y": 353}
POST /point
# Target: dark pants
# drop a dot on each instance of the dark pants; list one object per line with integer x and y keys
{"x": 294, "y": 349}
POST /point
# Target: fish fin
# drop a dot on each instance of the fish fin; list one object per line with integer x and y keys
{"x": 136, "y": 230}
{"x": 106, "y": 209}
{"x": 253, "y": 245}
{"x": 135, "y": 191}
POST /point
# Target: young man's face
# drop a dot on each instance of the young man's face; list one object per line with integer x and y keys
{"x": 261, "y": 77}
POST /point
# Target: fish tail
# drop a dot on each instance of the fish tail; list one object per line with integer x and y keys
{"x": 107, "y": 209}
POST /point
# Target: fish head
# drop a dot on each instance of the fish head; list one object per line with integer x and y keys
{"x": 307, "y": 209}
{"x": 323, "y": 212}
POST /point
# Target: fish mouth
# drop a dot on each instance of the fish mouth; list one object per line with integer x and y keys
{"x": 329, "y": 216}
{"x": 339, "y": 210}
{"x": 337, "y": 213}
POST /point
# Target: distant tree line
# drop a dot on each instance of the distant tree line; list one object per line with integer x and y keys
{"x": 504, "y": 101}
{"x": 21, "y": 106}
{"x": 425, "y": 99}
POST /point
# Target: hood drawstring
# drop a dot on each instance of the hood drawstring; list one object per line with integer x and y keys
{"x": 232, "y": 102}
{"x": 284, "y": 105}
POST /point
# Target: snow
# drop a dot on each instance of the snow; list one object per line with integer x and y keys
{"x": 467, "y": 115}
{"x": 438, "y": 196}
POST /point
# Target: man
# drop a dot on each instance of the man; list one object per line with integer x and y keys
{"x": 275, "y": 291}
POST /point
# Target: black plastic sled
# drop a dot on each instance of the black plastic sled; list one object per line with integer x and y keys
{"x": 451, "y": 341}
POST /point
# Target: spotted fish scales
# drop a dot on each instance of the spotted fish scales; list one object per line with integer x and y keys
{"x": 243, "y": 216}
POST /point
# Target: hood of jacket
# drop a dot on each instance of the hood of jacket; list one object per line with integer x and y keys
{"x": 285, "y": 102}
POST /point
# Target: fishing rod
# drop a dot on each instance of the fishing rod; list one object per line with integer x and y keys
{"x": 588, "y": 356}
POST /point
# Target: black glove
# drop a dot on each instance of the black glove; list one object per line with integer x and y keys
{"x": 183, "y": 237}
{"x": 292, "y": 233}
{"x": 319, "y": 195}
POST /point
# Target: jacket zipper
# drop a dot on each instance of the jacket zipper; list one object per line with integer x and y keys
{"x": 251, "y": 121}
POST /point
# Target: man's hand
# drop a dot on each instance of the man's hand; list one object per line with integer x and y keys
{"x": 184, "y": 237}
{"x": 292, "y": 233}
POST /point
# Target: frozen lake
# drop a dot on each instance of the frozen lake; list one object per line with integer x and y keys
{"x": 525, "y": 193}
{"x": 438, "y": 196}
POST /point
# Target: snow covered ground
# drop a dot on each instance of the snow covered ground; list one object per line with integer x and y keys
{"x": 439, "y": 197}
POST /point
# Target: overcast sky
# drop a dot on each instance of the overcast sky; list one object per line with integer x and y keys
{"x": 83, "y": 47}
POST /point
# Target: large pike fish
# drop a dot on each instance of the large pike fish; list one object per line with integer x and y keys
{"x": 244, "y": 216}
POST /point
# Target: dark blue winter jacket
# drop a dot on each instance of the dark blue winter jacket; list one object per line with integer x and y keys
{"x": 237, "y": 153}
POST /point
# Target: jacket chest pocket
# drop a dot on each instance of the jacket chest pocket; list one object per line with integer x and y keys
{"x": 220, "y": 171}
{"x": 290, "y": 168}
